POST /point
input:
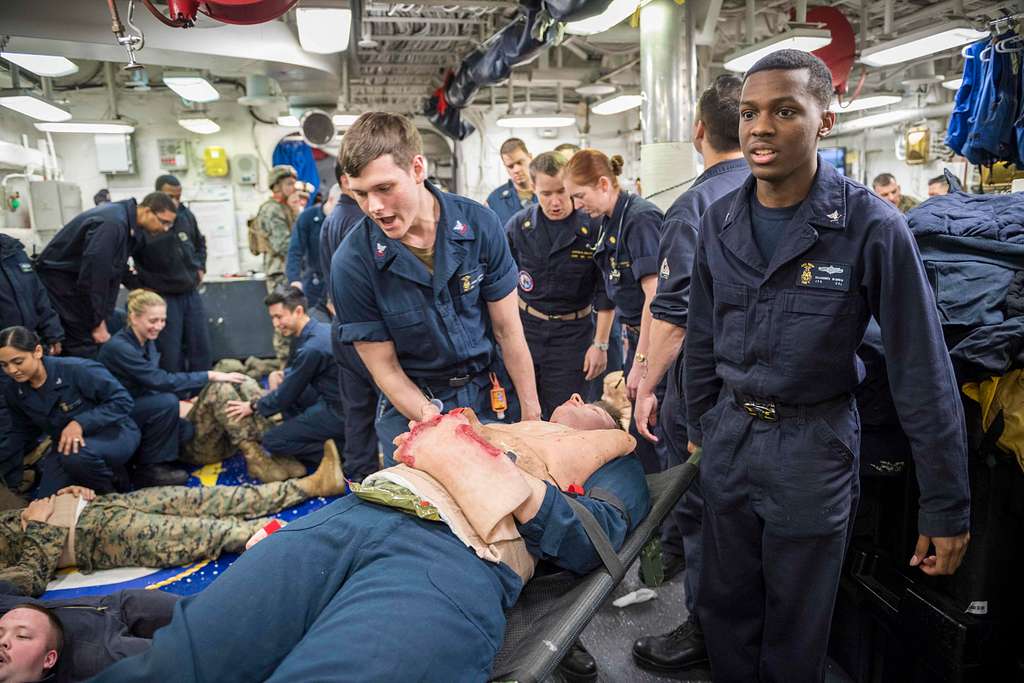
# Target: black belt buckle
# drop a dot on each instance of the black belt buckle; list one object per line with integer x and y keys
{"x": 460, "y": 381}
{"x": 762, "y": 410}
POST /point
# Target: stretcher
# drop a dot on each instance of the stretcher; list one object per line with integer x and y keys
{"x": 554, "y": 609}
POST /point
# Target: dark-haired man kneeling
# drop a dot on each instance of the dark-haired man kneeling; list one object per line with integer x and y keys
{"x": 308, "y": 396}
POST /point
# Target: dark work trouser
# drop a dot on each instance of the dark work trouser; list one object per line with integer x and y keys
{"x": 303, "y": 436}
{"x": 779, "y": 502}
{"x": 558, "y": 348}
{"x": 184, "y": 343}
{"x": 94, "y": 465}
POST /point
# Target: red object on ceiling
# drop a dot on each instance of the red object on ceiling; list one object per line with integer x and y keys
{"x": 230, "y": 11}
{"x": 840, "y": 53}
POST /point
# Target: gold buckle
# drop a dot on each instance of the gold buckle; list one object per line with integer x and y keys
{"x": 762, "y": 411}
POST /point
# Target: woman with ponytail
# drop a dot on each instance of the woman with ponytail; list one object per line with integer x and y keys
{"x": 626, "y": 250}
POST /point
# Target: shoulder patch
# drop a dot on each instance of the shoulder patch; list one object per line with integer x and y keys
{"x": 381, "y": 248}
{"x": 525, "y": 281}
{"x": 183, "y": 237}
{"x": 665, "y": 272}
{"x": 460, "y": 228}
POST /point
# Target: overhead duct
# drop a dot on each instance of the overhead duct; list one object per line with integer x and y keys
{"x": 492, "y": 62}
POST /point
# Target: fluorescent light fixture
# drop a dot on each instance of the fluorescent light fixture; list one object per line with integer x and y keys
{"x": 50, "y": 66}
{"x": 796, "y": 38}
{"x": 616, "y": 104}
{"x": 191, "y": 86}
{"x": 200, "y": 126}
{"x": 953, "y": 83}
{"x": 323, "y": 30}
{"x": 344, "y": 119}
{"x": 616, "y": 12}
{"x": 884, "y": 119}
{"x": 921, "y": 44}
{"x": 596, "y": 89}
{"x": 536, "y": 121}
{"x": 32, "y": 105}
{"x": 95, "y": 127}
{"x": 867, "y": 102}
{"x": 288, "y": 121}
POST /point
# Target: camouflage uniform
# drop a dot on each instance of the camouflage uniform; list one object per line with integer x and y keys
{"x": 217, "y": 435}
{"x": 155, "y": 527}
{"x": 907, "y": 203}
{"x": 275, "y": 222}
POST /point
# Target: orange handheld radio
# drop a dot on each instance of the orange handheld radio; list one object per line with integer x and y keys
{"x": 499, "y": 402}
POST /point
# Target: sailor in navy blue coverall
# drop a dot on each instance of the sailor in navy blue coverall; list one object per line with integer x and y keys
{"x": 626, "y": 250}
{"x": 75, "y": 390}
{"x": 84, "y": 263}
{"x": 312, "y": 367}
{"x": 361, "y": 592}
{"x": 559, "y": 287}
{"x": 716, "y": 139}
{"x": 505, "y": 199}
{"x": 788, "y": 270}
{"x": 355, "y": 385}
{"x": 173, "y": 265}
{"x": 425, "y": 288}
{"x": 303, "y": 263}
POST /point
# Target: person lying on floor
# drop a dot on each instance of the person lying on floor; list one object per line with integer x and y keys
{"x": 98, "y": 630}
{"x": 154, "y": 527}
{"x": 379, "y": 591}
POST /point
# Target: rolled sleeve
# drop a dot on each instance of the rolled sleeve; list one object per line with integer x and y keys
{"x": 642, "y": 242}
{"x": 372, "y": 331}
{"x": 676, "y": 250}
{"x": 502, "y": 276}
{"x": 352, "y": 291}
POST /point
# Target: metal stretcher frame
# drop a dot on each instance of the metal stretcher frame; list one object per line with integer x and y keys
{"x": 553, "y": 610}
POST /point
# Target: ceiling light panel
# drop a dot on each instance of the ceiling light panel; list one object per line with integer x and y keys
{"x": 616, "y": 12}
{"x": 199, "y": 126}
{"x": 617, "y": 104}
{"x": 191, "y": 87}
{"x": 32, "y": 105}
{"x": 95, "y": 127}
{"x": 536, "y": 121}
{"x": 344, "y": 120}
{"x": 51, "y": 66}
{"x": 921, "y": 44}
{"x": 288, "y": 121}
{"x": 867, "y": 102}
{"x": 803, "y": 39}
{"x": 323, "y": 30}
{"x": 953, "y": 83}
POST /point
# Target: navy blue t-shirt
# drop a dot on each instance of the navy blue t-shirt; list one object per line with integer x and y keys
{"x": 768, "y": 225}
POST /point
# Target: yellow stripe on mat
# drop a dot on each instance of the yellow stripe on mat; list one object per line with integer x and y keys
{"x": 177, "y": 577}
{"x": 208, "y": 474}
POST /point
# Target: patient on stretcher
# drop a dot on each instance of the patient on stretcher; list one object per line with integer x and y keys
{"x": 428, "y": 554}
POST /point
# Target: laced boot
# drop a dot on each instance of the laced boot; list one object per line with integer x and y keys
{"x": 328, "y": 479}
{"x": 260, "y": 465}
{"x": 678, "y": 650}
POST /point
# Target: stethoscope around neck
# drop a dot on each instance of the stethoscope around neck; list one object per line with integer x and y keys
{"x": 614, "y": 273}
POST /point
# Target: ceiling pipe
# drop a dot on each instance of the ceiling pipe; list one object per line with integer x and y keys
{"x": 108, "y": 78}
{"x": 706, "y": 34}
{"x": 749, "y": 22}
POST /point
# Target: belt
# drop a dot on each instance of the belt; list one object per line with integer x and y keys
{"x": 575, "y": 315}
{"x": 456, "y": 382}
{"x": 768, "y": 410}
{"x": 635, "y": 329}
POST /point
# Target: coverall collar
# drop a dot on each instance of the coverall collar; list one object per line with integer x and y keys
{"x": 823, "y": 207}
{"x": 449, "y": 251}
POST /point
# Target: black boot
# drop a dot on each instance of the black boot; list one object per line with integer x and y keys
{"x": 158, "y": 474}
{"x": 578, "y": 666}
{"x": 677, "y": 650}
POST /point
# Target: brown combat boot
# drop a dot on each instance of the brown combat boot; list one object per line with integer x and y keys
{"x": 293, "y": 467}
{"x": 260, "y": 465}
{"x": 328, "y": 479}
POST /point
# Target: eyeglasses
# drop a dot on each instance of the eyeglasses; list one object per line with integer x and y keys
{"x": 165, "y": 224}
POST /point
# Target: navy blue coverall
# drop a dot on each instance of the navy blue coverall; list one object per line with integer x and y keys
{"x": 681, "y": 535}
{"x": 169, "y": 264}
{"x": 304, "y": 430}
{"x": 438, "y": 323}
{"x": 137, "y": 367}
{"x": 358, "y": 393}
{"x": 626, "y": 250}
{"x": 23, "y": 301}
{"x": 82, "y": 268}
{"x": 361, "y": 592}
{"x": 770, "y": 370}
{"x": 504, "y": 200}
{"x": 557, "y": 277}
{"x": 75, "y": 390}
{"x": 303, "y": 263}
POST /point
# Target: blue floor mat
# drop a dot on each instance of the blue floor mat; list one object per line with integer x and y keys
{"x": 184, "y": 580}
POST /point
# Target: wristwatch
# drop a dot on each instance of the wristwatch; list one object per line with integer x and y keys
{"x": 252, "y": 404}
{"x": 640, "y": 358}
{"x": 599, "y": 346}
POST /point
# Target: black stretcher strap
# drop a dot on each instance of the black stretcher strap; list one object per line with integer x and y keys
{"x": 598, "y": 537}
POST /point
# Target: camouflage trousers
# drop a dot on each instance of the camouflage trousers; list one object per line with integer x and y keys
{"x": 217, "y": 434}
{"x": 276, "y": 280}
{"x": 254, "y": 367}
{"x": 171, "y": 525}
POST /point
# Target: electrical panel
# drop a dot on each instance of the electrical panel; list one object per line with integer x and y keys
{"x": 215, "y": 161}
{"x": 173, "y": 154}
{"x": 52, "y": 204}
{"x": 247, "y": 169}
{"x": 114, "y": 154}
